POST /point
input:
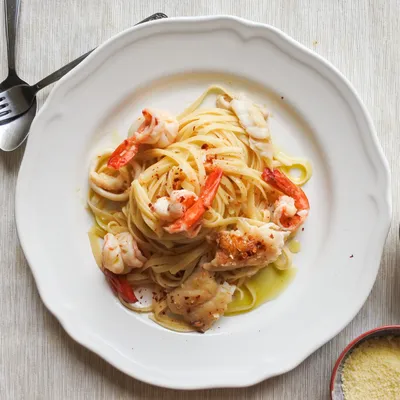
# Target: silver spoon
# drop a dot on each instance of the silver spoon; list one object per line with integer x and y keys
{"x": 13, "y": 133}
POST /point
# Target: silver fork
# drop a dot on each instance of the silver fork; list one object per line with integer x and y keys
{"x": 18, "y": 99}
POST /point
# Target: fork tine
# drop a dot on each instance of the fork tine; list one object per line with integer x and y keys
{"x": 4, "y": 102}
{"x": 6, "y": 109}
{"x": 2, "y": 114}
{"x": 13, "y": 102}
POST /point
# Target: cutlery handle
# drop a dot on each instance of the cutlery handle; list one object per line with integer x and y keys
{"x": 55, "y": 76}
{"x": 11, "y": 13}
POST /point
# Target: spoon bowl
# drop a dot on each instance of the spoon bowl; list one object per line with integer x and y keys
{"x": 13, "y": 133}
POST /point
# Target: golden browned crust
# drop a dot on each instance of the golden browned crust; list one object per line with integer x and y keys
{"x": 236, "y": 251}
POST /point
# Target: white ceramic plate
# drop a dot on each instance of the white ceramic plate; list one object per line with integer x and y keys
{"x": 168, "y": 64}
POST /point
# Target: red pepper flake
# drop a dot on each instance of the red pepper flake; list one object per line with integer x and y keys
{"x": 271, "y": 236}
{"x": 204, "y": 146}
{"x": 352, "y": 256}
{"x": 302, "y": 229}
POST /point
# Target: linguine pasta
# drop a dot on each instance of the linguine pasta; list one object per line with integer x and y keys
{"x": 208, "y": 139}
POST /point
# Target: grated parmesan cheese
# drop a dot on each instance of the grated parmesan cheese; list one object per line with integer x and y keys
{"x": 372, "y": 370}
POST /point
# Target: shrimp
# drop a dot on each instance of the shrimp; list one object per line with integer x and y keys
{"x": 158, "y": 129}
{"x": 172, "y": 207}
{"x": 121, "y": 253}
{"x": 111, "y": 183}
{"x": 291, "y": 209}
{"x": 253, "y": 121}
{"x": 224, "y": 101}
{"x": 201, "y": 300}
{"x": 190, "y": 220}
{"x": 248, "y": 247}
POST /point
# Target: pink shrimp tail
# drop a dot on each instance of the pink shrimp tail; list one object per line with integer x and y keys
{"x": 129, "y": 147}
{"x": 281, "y": 182}
{"x": 123, "y": 153}
{"x": 194, "y": 213}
